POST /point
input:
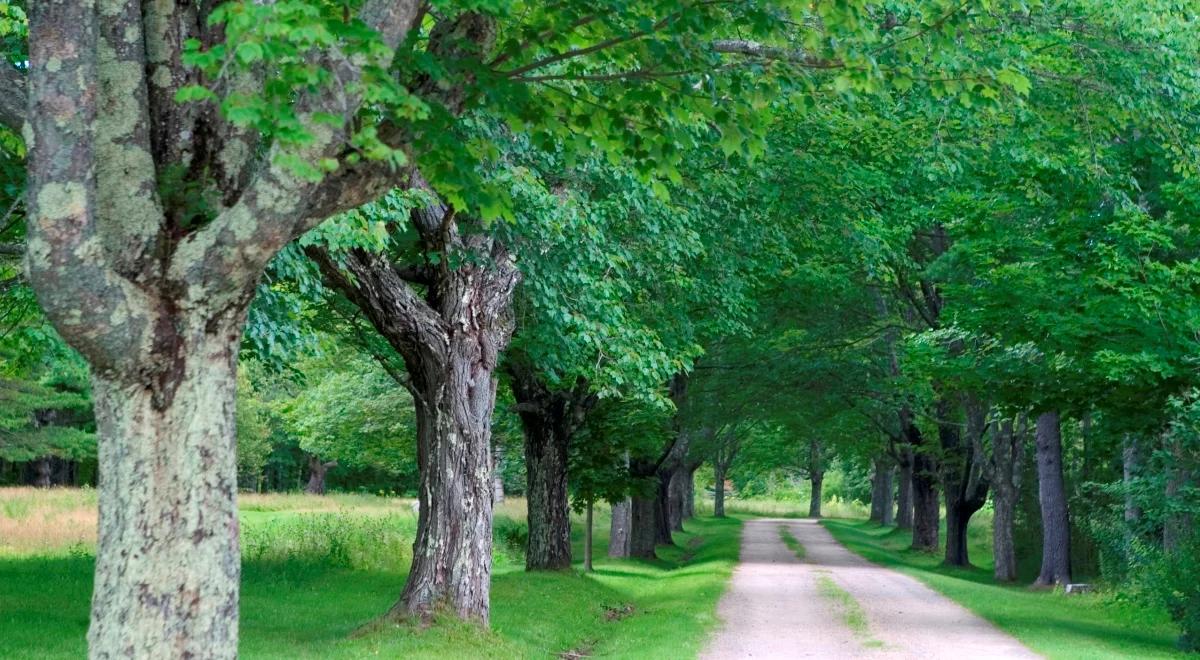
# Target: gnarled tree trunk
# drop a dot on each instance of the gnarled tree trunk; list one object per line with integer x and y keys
{"x": 689, "y": 492}
{"x": 317, "y": 469}
{"x": 1052, "y": 497}
{"x": 450, "y": 338}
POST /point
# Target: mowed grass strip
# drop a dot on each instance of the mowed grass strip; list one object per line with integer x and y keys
{"x": 317, "y": 573}
{"x": 1048, "y": 622}
{"x": 792, "y": 542}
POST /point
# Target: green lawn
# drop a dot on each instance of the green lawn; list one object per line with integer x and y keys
{"x": 1050, "y": 623}
{"x": 305, "y": 595}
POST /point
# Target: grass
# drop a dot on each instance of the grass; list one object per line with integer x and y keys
{"x": 852, "y": 613}
{"x": 316, "y": 570}
{"x": 1048, "y": 622}
{"x": 792, "y": 542}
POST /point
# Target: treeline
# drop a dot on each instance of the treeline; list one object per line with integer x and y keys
{"x": 600, "y": 247}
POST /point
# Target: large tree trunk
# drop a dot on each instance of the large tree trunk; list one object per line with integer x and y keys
{"x": 549, "y": 420}
{"x": 549, "y": 512}
{"x": 662, "y": 513}
{"x": 167, "y": 561}
{"x": 452, "y": 553}
{"x": 43, "y": 469}
{"x": 151, "y": 285}
{"x": 1052, "y": 496}
{"x": 642, "y": 527}
{"x": 926, "y": 511}
{"x": 450, "y": 336}
{"x": 904, "y": 504}
{"x": 1007, "y": 453}
{"x": 618, "y": 535}
{"x": 676, "y": 490}
{"x": 964, "y": 475}
{"x": 317, "y": 469}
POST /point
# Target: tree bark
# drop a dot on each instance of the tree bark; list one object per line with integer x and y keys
{"x": 689, "y": 492}
{"x": 549, "y": 419}
{"x": 1007, "y": 453}
{"x": 167, "y": 561}
{"x": 662, "y": 514}
{"x": 964, "y": 475}
{"x": 549, "y": 512}
{"x": 1052, "y": 497}
{"x": 619, "y": 534}
{"x": 317, "y": 469}
{"x": 452, "y": 553}
{"x": 676, "y": 495}
{"x": 1131, "y": 462}
{"x": 642, "y": 527}
{"x": 718, "y": 490}
{"x": 43, "y": 469}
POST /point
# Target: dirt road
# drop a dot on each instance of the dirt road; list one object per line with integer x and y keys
{"x": 834, "y": 604}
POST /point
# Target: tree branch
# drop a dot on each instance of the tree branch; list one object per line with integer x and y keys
{"x": 763, "y": 51}
{"x": 12, "y": 98}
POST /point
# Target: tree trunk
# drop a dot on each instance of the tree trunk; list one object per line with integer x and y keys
{"x": 718, "y": 490}
{"x": 317, "y": 469}
{"x": 881, "y": 491}
{"x": 587, "y": 539}
{"x": 167, "y": 560}
{"x": 676, "y": 495}
{"x": 642, "y": 526}
{"x": 963, "y": 473}
{"x": 1178, "y": 526}
{"x": 452, "y": 554}
{"x": 497, "y": 474}
{"x": 1007, "y": 452}
{"x": 450, "y": 336}
{"x": 43, "y": 468}
{"x": 662, "y": 514}
{"x": 689, "y": 492}
{"x": 1131, "y": 460}
{"x": 904, "y": 504}
{"x": 549, "y": 419}
{"x": 548, "y": 500}
{"x": 1052, "y": 496}
{"x": 618, "y": 536}
{"x": 924, "y": 488}
{"x": 817, "y": 479}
